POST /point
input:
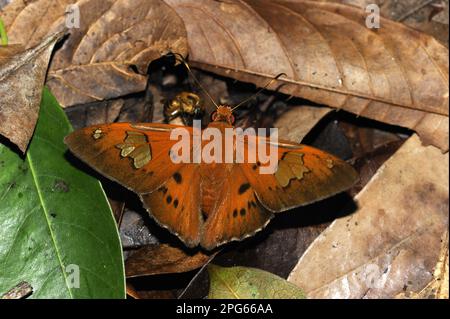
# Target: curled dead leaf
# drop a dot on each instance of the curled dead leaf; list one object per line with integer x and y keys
{"x": 97, "y": 60}
{"x": 22, "y": 76}
{"x": 393, "y": 74}
{"x": 163, "y": 259}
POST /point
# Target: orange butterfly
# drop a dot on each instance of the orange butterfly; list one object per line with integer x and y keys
{"x": 208, "y": 204}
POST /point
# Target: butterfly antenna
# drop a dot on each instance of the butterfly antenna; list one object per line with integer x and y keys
{"x": 180, "y": 58}
{"x": 259, "y": 91}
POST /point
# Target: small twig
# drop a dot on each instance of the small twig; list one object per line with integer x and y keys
{"x": 198, "y": 273}
{"x": 148, "y": 101}
{"x": 266, "y": 104}
{"x": 21, "y": 291}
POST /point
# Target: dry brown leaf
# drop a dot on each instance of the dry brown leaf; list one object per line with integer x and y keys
{"x": 393, "y": 74}
{"x": 22, "y": 76}
{"x": 95, "y": 62}
{"x": 438, "y": 286}
{"x": 295, "y": 123}
{"x": 163, "y": 259}
{"x": 429, "y": 16}
{"x": 28, "y": 22}
{"x": 392, "y": 242}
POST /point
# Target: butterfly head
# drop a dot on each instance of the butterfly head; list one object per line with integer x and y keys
{"x": 223, "y": 114}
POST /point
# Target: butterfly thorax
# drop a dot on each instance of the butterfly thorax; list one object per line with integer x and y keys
{"x": 223, "y": 114}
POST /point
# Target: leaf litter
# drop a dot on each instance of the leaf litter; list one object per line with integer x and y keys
{"x": 107, "y": 107}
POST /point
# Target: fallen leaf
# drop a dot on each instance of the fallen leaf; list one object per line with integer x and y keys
{"x": 393, "y": 74}
{"x": 294, "y": 124}
{"x": 249, "y": 283}
{"x": 418, "y": 14}
{"x": 163, "y": 259}
{"x": 28, "y": 22}
{"x": 392, "y": 242}
{"x": 97, "y": 59}
{"x": 22, "y": 75}
{"x": 56, "y": 227}
{"x": 438, "y": 286}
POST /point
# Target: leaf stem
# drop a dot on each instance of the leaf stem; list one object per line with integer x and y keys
{"x": 3, "y": 35}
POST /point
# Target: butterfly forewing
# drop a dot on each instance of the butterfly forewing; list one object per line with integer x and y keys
{"x": 134, "y": 155}
{"x": 304, "y": 175}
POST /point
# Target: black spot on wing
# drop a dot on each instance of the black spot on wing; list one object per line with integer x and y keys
{"x": 243, "y": 188}
{"x": 177, "y": 177}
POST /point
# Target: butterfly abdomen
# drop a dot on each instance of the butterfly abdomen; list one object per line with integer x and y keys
{"x": 213, "y": 177}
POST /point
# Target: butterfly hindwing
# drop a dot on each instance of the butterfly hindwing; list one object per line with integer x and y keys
{"x": 237, "y": 213}
{"x": 176, "y": 204}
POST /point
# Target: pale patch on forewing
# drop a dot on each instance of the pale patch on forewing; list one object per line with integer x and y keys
{"x": 330, "y": 163}
{"x": 136, "y": 146}
{"x": 97, "y": 134}
{"x": 290, "y": 166}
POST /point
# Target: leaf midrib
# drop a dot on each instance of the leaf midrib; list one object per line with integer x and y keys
{"x": 224, "y": 282}
{"x": 199, "y": 64}
{"x": 44, "y": 209}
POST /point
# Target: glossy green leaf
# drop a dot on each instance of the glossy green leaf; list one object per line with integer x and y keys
{"x": 249, "y": 283}
{"x": 55, "y": 221}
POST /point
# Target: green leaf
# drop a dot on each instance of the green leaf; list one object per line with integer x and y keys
{"x": 249, "y": 283}
{"x": 55, "y": 219}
